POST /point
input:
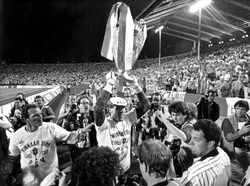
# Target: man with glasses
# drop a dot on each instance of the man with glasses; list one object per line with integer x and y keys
{"x": 86, "y": 117}
{"x": 208, "y": 108}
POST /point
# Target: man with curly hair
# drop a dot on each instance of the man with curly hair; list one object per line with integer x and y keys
{"x": 97, "y": 166}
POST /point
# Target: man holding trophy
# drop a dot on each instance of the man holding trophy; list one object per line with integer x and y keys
{"x": 123, "y": 42}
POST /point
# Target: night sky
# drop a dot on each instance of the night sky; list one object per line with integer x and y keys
{"x": 50, "y": 31}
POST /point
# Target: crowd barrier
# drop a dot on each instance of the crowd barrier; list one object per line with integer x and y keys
{"x": 226, "y": 104}
{"x": 48, "y": 96}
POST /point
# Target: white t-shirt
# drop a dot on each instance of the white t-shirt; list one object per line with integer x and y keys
{"x": 38, "y": 151}
{"x": 241, "y": 124}
{"x": 118, "y": 138}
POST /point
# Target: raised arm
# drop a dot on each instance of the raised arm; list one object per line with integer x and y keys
{"x": 102, "y": 100}
{"x": 173, "y": 129}
{"x": 144, "y": 104}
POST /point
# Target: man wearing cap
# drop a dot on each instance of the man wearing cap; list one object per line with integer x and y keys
{"x": 236, "y": 132}
{"x": 115, "y": 131}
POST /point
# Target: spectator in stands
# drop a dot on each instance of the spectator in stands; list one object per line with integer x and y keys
{"x": 47, "y": 112}
{"x": 212, "y": 167}
{"x": 238, "y": 89}
{"x": 224, "y": 88}
{"x": 208, "y": 108}
{"x": 36, "y": 144}
{"x": 236, "y": 131}
{"x": 115, "y": 131}
{"x": 247, "y": 91}
{"x": 97, "y": 166}
{"x": 156, "y": 163}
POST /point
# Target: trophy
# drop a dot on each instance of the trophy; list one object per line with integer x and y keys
{"x": 124, "y": 37}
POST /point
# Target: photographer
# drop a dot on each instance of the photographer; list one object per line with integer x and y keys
{"x": 236, "y": 130}
{"x": 181, "y": 126}
{"x": 149, "y": 126}
{"x": 157, "y": 129}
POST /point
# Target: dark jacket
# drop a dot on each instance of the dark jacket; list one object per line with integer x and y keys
{"x": 89, "y": 118}
{"x": 205, "y": 113}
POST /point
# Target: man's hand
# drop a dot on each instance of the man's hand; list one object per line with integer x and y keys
{"x": 111, "y": 78}
{"x": 87, "y": 128}
{"x": 160, "y": 116}
{"x": 13, "y": 119}
{"x": 130, "y": 79}
{"x": 245, "y": 130}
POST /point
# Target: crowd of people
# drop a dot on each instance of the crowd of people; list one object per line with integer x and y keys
{"x": 225, "y": 70}
{"x": 109, "y": 136}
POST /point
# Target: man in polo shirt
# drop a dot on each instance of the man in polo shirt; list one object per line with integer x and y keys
{"x": 114, "y": 131}
{"x": 212, "y": 167}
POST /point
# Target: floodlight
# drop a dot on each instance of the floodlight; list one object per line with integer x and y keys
{"x": 158, "y": 29}
{"x": 199, "y": 5}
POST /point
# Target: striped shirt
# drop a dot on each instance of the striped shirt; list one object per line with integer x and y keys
{"x": 211, "y": 171}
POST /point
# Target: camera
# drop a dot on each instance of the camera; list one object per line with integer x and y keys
{"x": 244, "y": 140}
{"x": 125, "y": 180}
{"x": 138, "y": 126}
{"x": 73, "y": 107}
{"x": 155, "y": 107}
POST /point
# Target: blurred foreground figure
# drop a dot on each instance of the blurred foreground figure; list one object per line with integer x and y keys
{"x": 97, "y": 166}
{"x": 155, "y": 163}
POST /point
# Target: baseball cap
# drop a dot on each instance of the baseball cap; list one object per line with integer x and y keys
{"x": 118, "y": 101}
